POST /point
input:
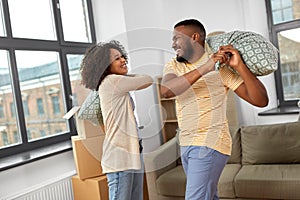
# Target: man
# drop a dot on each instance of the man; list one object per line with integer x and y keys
{"x": 201, "y": 93}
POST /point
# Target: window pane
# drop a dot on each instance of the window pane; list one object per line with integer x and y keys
{"x": 9, "y": 131}
{"x": 2, "y": 28}
{"x": 287, "y": 14}
{"x": 289, "y": 47}
{"x": 285, "y": 10}
{"x": 287, "y": 2}
{"x": 75, "y": 20}
{"x": 32, "y": 19}
{"x": 42, "y": 94}
{"x": 79, "y": 92}
{"x": 40, "y": 106}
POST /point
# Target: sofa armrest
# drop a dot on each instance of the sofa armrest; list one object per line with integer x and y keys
{"x": 159, "y": 161}
{"x": 162, "y": 157}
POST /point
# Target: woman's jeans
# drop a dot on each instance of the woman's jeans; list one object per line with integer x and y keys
{"x": 203, "y": 167}
{"x": 125, "y": 185}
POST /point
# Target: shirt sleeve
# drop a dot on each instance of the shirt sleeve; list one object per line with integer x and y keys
{"x": 133, "y": 82}
{"x": 169, "y": 68}
{"x": 230, "y": 79}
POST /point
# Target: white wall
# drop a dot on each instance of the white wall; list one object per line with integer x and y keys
{"x": 149, "y": 27}
{"x": 145, "y": 28}
{"x": 26, "y": 178}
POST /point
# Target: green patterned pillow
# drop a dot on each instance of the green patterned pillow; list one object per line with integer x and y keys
{"x": 91, "y": 109}
{"x": 259, "y": 54}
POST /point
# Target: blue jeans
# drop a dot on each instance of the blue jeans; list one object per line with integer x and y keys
{"x": 203, "y": 167}
{"x": 125, "y": 185}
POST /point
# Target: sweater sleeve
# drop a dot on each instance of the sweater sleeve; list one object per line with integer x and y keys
{"x": 132, "y": 82}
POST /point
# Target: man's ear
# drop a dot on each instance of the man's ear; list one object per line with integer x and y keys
{"x": 196, "y": 37}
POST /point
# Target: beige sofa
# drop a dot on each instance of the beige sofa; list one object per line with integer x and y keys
{"x": 265, "y": 164}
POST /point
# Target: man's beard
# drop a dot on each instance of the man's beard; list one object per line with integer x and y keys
{"x": 181, "y": 59}
{"x": 186, "y": 55}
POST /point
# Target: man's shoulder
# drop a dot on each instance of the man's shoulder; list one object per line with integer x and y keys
{"x": 172, "y": 61}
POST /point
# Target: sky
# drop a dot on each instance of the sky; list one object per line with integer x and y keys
{"x": 29, "y": 22}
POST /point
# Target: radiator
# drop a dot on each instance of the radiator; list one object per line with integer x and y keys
{"x": 58, "y": 190}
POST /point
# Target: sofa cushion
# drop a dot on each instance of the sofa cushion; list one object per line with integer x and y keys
{"x": 172, "y": 182}
{"x": 262, "y": 144}
{"x": 236, "y": 151}
{"x": 226, "y": 186}
{"x": 268, "y": 181}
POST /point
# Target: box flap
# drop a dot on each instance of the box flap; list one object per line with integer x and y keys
{"x": 71, "y": 112}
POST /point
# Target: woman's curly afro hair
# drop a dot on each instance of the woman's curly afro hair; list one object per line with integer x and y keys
{"x": 96, "y": 61}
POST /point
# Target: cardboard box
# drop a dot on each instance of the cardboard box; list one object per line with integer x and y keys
{"x": 85, "y": 128}
{"x": 87, "y": 156}
{"x": 90, "y": 189}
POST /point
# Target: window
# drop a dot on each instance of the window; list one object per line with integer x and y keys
{"x": 16, "y": 137}
{"x": 12, "y": 109}
{"x": 78, "y": 89}
{"x": 55, "y": 105}
{"x": 284, "y": 25}
{"x": 26, "y": 109}
{"x": 5, "y": 138}
{"x": 2, "y": 30}
{"x": 1, "y": 111}
{"x": 40, "y": 49}
{"x": 75, "y": 11}
{"x": 282, "y": 11}
{"x": 24, "y": 19}
{"x": 40, "y": 107}
{"x": 42, "y": 133}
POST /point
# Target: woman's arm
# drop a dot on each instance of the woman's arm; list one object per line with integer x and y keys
{"x": 133, "y": 82}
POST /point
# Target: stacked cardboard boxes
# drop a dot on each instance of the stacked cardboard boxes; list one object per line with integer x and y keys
{"x": 89, "y": 183}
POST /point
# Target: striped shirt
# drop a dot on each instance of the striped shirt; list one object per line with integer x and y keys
{"x": 201, "y": 109}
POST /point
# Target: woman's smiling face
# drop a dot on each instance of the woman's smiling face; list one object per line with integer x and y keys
{"x": 117, "y": 63}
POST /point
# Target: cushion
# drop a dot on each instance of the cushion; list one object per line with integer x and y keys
{"x": 235, "y": 156}
{"x": 262, "y": 144}
{"x": 225, "y": 185}
{"x": 259, "y": 54}
{"x": 172, "y": 182}
{"x": 91, "y": 109}
{"x": 268, "y": 181}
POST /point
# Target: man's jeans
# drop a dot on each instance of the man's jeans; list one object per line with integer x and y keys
{"x": 203, "y": 167}
{"x": 125, "y": 185}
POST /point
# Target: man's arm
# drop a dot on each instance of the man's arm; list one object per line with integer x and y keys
{"x": 252, "y": 90}
{"x": 173, "y": 85}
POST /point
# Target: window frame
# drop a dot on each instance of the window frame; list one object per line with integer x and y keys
{"x": 273, "y": 31}
{"x": 62, "y": 48}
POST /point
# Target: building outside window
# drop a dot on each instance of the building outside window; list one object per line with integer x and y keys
{"x": 284, "y": 25}
{"x": 25, "y": 107}
{"x": 55, "y": 105}
{"x": 40, "y": 107}
{"x": 40, "y": 54}
{"x": 1, "y": 111}
{"x": 5, "y": 137}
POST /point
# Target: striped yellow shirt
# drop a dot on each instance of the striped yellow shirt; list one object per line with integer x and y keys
{"x": 201, "y": 109}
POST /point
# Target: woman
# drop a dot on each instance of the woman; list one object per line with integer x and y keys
{"x": 104, "y": 69}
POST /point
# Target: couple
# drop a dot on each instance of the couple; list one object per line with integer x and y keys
{"x": 200, "y": 92}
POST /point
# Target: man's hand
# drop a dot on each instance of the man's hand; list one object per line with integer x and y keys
{"x": 233, "y": 58}
{"x": 252, "y": 90}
